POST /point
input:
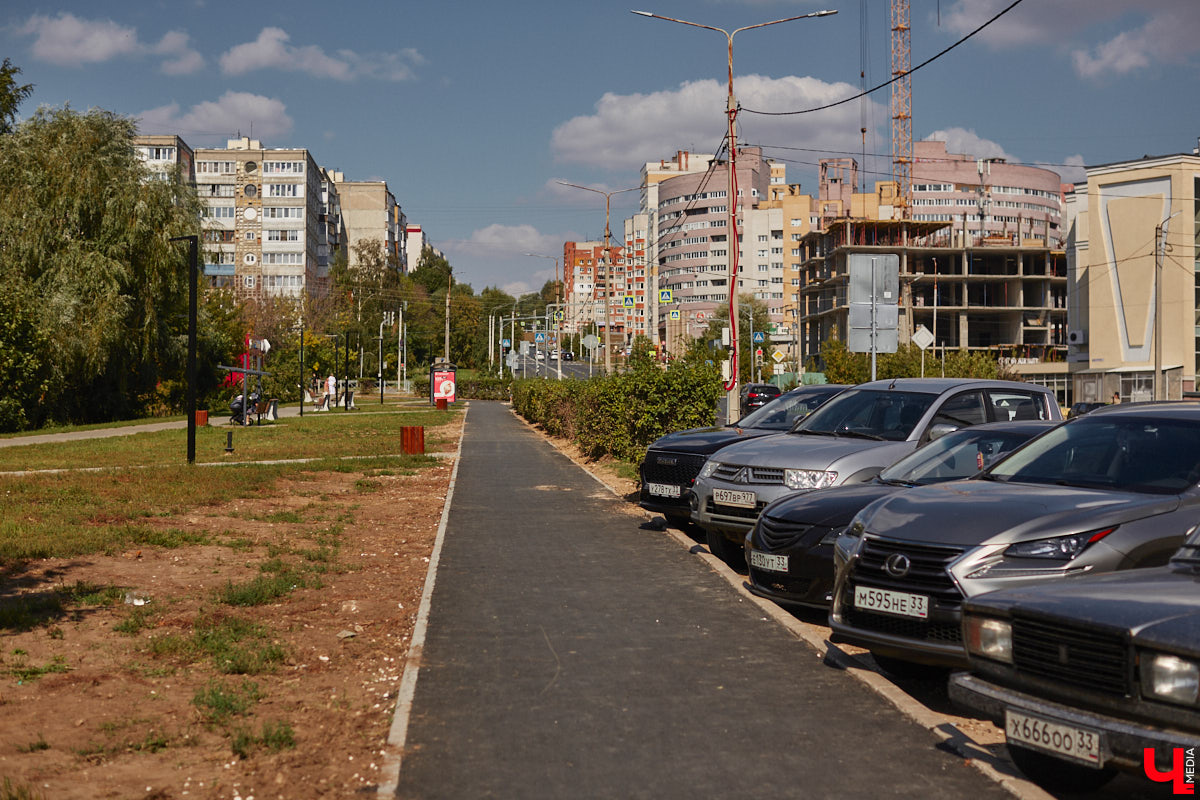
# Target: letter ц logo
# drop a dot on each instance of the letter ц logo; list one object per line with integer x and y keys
{"x": 1183, "y": 769}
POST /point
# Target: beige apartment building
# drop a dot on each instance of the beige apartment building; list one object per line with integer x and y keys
{"x": 370, "y": 213}
{"x": 1133, "y": 254}
{"x": 163, "y": 154}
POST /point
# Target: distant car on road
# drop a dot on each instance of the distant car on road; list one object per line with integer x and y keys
{"x": 1079, "y": 409}
{"x": 673, "y": 461}
{"x": 790, "y": 549}
{"x": 1085, "y": 675}
{"x": 1112, "y": 490}
{"x": 755, "y": 395}
{"x": 567, "y": 355}
{"x": 848, "y": 440}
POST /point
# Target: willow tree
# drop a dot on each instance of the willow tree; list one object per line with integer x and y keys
{"x": 85, "y": 243}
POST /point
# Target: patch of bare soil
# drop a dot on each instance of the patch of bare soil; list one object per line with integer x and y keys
{"x": 96, "y": 706}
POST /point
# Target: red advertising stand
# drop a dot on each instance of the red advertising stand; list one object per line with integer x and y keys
{"x": 442, "y": 383}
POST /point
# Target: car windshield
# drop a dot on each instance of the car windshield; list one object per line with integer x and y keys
{"x": 784, "y": 411}
{"x": 956, "y": 455}
{"x": 1108, "y": 451}
{"x": 869, "y": 413}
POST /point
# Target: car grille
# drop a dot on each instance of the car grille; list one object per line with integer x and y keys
{"x": 1067, "y": 654}
{"x": 733, "y": 511}
{"x": 927, "y": 573}
{"x": 734, "y": 473}
{"x": 909, "y": 628}
{"x": 680, "y": 468}
{"x": 779, "y": 534}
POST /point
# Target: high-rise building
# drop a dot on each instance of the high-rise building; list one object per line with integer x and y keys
{"x": 370, "y": 213}
{"x": 265, "y": 223}
{"x": 165, "y": 153}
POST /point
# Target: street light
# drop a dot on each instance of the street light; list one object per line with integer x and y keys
{"x": 1160, "y": 241}
{"x": 557, "y": 302}
{"x": 734, "y": 410}
{"x": 608, "y": 268}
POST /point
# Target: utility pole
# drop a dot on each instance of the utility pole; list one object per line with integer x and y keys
{"x": 446, "y": 353}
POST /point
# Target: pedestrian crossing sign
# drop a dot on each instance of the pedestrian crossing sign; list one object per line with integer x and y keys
{"x": 675, "y": 313}
{"x": 629, "y": 301}
{"x": 558, "y": 315}
{"x": 539, "y": 337}
{"x": 665, "y": 296}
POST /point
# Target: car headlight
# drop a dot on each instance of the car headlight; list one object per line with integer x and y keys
{"x": 1060, "y": 548}
{"x": 1170, "y": 678}
{"x": 988, "y": 637}
{"x": 709, "y": 468}
{"x": 808, "y": 478}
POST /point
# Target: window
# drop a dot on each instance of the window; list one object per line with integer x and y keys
{"x": 220, "y": 212}
{"x": 962, "y": 410}
{"x": 283, "y": 167}
{"x": 282, "y": 236}
{"x": 215, "y": 189}
{"x": 158, "y": 153}
{"x": 282, "y": 190}
{"x": 283, "y": 258}
{"x": 214, "y": 167}
{"x": 283, "y": 212}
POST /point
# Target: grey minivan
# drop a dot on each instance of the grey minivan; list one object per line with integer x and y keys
{"x": 848, "y": 440}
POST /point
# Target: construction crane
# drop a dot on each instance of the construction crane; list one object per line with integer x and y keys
{"x": 901, "y": 106}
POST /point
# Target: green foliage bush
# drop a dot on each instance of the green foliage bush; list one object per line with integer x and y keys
{"x": 842, "y": 366}
{"x": 621, "y": 414}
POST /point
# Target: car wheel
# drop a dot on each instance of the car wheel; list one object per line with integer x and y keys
{"x": 1057, "y": 775}
{"x": 910, "y": 670}
{"x": 726, "y": 550}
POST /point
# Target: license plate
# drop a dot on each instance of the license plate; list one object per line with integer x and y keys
{"x": 729, "y": 497}
{"x": 885, "y": 601}
{"x": 662, "y": 490}
{"x": 1070, "y": 742}
{"x": 768, "y": 561}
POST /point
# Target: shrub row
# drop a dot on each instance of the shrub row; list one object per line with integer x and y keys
{"x": 480, "y": 388}
{"x": 620, "y": 415}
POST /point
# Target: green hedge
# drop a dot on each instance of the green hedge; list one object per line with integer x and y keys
{"x": 471, "y": 388}
{"x": 620, "y": 415}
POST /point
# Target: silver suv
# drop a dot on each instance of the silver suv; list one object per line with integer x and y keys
{"x": 848, "y": 440}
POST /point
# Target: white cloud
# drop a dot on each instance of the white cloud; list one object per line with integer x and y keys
{"x": 1166, "y": 35}
{"x": 1072, "y": 170}
{"x": 504, "y": 241}
{"x": 221, "y": 119}
{"x": 647, "y": 127}
{"x": 272, "y": 50}
{"x": 70, "y": 41}
{"x": 967, "y": 142}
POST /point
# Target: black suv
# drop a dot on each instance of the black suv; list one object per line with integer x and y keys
{"x": 756, "y": 395}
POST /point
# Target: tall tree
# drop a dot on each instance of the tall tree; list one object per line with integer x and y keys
{"x": 433, "y": 271}
{"x": 86, "y": 239}
{"x": 11, "y": 95}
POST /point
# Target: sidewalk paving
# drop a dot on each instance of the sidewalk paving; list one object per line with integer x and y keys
{"x": 571, "y": 653}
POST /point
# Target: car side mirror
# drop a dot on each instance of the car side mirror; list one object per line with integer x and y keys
{"x": 941, "y": 429}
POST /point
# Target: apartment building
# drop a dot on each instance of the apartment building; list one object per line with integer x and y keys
{"x": 634, "y": 281}
{"x": 163, "y": 154}
{"x": 584, "y": 285}
{"x": 265, "y": 221}
{"x": 1133, "y": 256}
{"x": 370, "y": 213}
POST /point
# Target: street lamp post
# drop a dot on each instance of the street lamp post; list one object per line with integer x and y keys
{"x": 1160, "y": 241}
{"x": 557, "y": 303}
{"x": 608, "y": 268}
{"x": 732, "y": 235}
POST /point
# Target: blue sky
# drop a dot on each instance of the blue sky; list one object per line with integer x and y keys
{"x": 473, "y": 110}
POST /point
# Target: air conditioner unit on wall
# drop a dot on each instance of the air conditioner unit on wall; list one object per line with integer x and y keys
{"x": 1077, "y": 337}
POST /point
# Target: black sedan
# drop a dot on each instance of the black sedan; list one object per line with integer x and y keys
{"x": 673, "y": 461}
{"x": 756, "y": 395}
{"x": 1086, "y": 676}
{"x": 789, "y": 551}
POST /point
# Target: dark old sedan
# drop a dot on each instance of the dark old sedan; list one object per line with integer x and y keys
{"x": 1085, "y": 676}
{"x": 789, "y": 551}
{"x": 1112, "y": 490}
{"x": 673, "y": 461}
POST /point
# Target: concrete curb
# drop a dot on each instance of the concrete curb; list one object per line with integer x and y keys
{"x": 398, "y": 733}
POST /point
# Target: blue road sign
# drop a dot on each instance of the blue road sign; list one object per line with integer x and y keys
{"x": 675, "y": 313}
{"x": 629, "y": 302}
{"x": 759, "y": 337}
{"x": 539, "y": 337}
{"x": 665, "y": 296}
{"x": 506, "y": 342}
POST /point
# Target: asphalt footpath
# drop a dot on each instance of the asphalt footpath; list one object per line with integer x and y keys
{"x": 571, "y": 653}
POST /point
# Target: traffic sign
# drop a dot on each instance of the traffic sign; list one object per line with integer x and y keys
{"x": 675, "y": 313}
{"x": 539, "y": 337}
{"x": 921, "y": 337}
{"x": 778, "y": 356}
{"x": 506, "y": 342}
{"x": 759, "y": 337}
{"x": 629, "y": 301}
{"x": 558, "y": 315}
{"x": 665, "y": 296}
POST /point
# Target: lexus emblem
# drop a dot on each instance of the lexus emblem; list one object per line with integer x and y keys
{"x": 897, "y": 565}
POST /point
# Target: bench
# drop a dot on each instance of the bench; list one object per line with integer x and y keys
{"x": 268, "y": 409}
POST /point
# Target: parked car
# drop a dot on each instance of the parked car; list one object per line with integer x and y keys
{"x": 789, "y": 551}
{"x": 567, "y": 355}
{"x": 673, "y": 461}
{"x": 848, "y": 440}
{"x": 755, "y": 395}
{"x": 1111, "y": 490}
{"x": 1085, "y": 675}
{"x": 1079, "y": 409}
